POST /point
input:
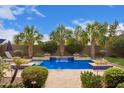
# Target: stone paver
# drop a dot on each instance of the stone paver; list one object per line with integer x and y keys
{"x": 62, "y": 78}
{"x": 65, "y": 78}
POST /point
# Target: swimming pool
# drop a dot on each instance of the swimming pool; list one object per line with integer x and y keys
{"x": 66, "y": 63}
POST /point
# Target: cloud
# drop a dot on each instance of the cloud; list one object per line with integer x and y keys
{"x": 6, "y": 13}
{"x": 46, "y": 37}
{"x": 1, "y": 24}
{"x": 18, "y": 10}
{"x": 17, "y": 25}
{"x": 33, "y": 9}
{"x": 83, "y": 23}
{"x": 121, "y": 26}
{"x": 8, "y": 34}
{"x": 77, "y": 21}
{"x": 70, "y": 28}
{"x": 120, "y": 29}
{"x": 11, "y": 12}
{"x": 29, "y": 18}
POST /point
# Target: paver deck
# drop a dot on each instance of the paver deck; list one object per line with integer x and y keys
{"x": 63, "y": 78}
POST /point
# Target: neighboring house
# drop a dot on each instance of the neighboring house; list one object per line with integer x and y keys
{"x": 3, "y": 41}
{"x": 8, "y": 46}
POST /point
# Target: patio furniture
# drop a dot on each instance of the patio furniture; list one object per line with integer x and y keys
{"x": 8, "y": 54}
{"x": 9, "y": 57}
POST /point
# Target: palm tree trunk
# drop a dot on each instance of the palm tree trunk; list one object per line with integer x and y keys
{"x": 14, "y": 75}
{"x": 106, "y": 48}
{"x": 30, "y": 51}
{"x": 62, "y": 48}
{"x": 93, "y": 50}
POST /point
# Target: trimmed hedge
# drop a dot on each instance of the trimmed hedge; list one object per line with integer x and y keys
{"x": 113, "y": 76}
{"x": 18, "y": 53}
{"x": 74, "y": 48}
{"x": 49, "y": 47}
{"x": 34, "y": 76}
{"x": 90, "y": 80}
{"x": 38, "y": 55}
{"x": 120, "y": 85}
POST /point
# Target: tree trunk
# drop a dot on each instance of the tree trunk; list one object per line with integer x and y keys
{"x": 30, "y": 51}
{"x": 62, "y": 48}
{"x": 106, "y": 48}
{"x": 14, "y": 75}
{"x": 93, "y": 50}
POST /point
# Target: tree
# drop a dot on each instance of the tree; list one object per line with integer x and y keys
{"x": 73, "y": 46}
{"x": 28, "y": 37}
{"x": 118, "y": 45}
{"x": 97, "y": 35}
{"x": 18, "y": 62}
{"x": 111, "y": 35}
{"x": 112, "y": 31}
{"x": 81, "y": 35}
{"x": 60, "y": 35}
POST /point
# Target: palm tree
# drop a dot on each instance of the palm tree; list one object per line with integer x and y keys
{"x": 110, "y": 35}
{"x": 81, "y": 35}
{"x": 18, "y": 62}
{"x": 28, "y": 37}
{"x": 60, "y": 34}
{"x": 97, "y": 35}
{"x": 112, "y": 31}
{"x": 17, "y": 39}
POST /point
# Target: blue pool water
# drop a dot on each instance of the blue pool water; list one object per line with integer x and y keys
{"x": 66, "y": 63}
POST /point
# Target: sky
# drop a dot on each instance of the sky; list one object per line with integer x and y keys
{"x": 46, "y": 18}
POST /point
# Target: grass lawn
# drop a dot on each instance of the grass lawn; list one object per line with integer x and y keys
{"x": 118, "y": 60}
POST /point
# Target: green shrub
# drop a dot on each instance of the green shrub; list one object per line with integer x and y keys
{"x": 113, "y": 76}
{"x": 70, "y": 41}
{"x": 2, "y": 51}
{"x": 34, "y": 76}
{"x": 38, "y": 55}
{"x": 118, "y": 45}
{"x": 3, "y": 66}
{"x": 25, "y": 57}
{"x": 113, "y": 55}
{"x": 20, "y": 85}
{"x": 18, "y": 53}
{"x": 120, "y": 85}
{"x": 90, "y": 80}
{"x": 74, "y": 48}
{"x": 49, "y": 47}
{"x": 85, "y": 55}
